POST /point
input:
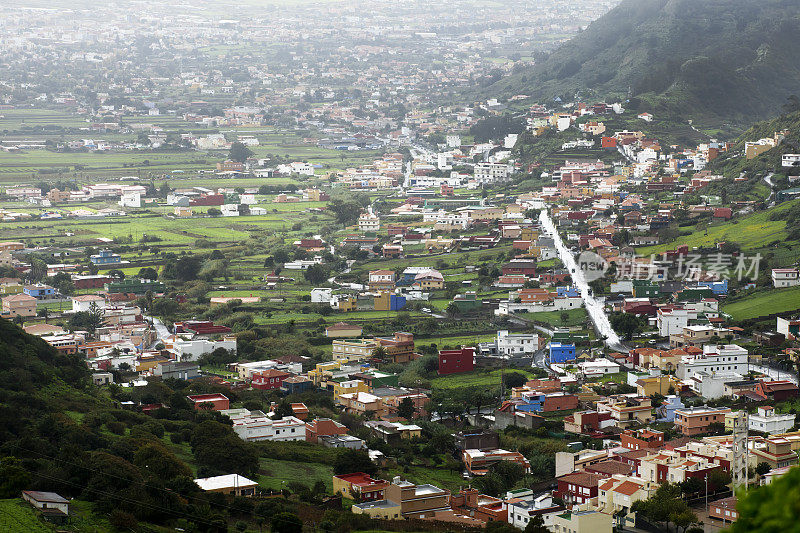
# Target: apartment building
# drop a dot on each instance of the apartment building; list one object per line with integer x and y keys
{"x": 627, "y": 410}
{"x": 693, "y": 421}
{"x": 477, "y": 462}
{"x": 715, "y": 358}
{"x": 516, "y": 343}
{"x": 353, "y": 349}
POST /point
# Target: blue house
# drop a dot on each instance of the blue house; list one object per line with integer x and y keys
{"x": 39, "y": 290}
{"x": 296, "y": 385}
{"x": 534, "y": 403}
{"x": 567, "y": 292}
{"x": 717, "y": 287}
{"x": 106, "y": 257}
{"x": 561, "y": 352}
{"x": 666, "y": 411}
{"x": 397, "y": 302}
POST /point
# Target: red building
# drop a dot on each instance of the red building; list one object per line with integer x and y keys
{"x": 393, "y": 230}
{"x": 359, "y": 485}
{"x": 269, "y": 379}
{"x": 208, "y": 200}
{"x": 456, "y": 361}
{"x": 578, "y": 487}
{"x": 323, "y": 427}
{"x": 777, "y": 391}
{"x": 643, "y": 439}
{"x": 522, "y": 268}
{"x": 90, "y": 282}
{"x": 200, "y": 327}
{"x": 217, "y": 402}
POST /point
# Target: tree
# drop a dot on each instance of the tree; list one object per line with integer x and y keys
{"x": 148, "y": 273}
{"x": 349, "y": 461}
{"x": 187, "y": 268}
{"x": 625, "y": 323}
{"x": 452, "y": 310}
{"x": 63, "y": 283}
{"x": 762, "y": 468}
{"x": 770, "y": 508}
{"x": 13, "y": 477}
{"x": 286, "y": 523}
{"x": 86, "y": 320}
{"x": 239, "y": 152}
{"x": 406, "y": 409}
{"x": 665, "y": 506}
{"x": 514, "y": 379}
{"x": 316, "y": 274}
{"x": 117, "y": 274}
{"x": 536, "y": 525}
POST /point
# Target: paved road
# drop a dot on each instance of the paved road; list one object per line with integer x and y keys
{"x": 774, "y": 373}
{"x": 593, "y": 306}
{"x": 771, "y": 197}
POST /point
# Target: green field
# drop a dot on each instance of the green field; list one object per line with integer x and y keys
{"x": 479, "y": 378}
{"x": 16, "y": 515}
{"x": 272, "y": 472}
{"x": 750, "y": 232}
{"x": 575, "y": 317}
{"x": 764, "y": 303}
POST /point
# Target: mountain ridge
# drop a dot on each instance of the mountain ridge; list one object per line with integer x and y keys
{"x": 713, "y": 60}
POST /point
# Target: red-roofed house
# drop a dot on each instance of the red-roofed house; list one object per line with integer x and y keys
{"x": 360, "y": 486}
{"x": 269, "y": 379}
{"x": 323, "y": 427}
{"x": 217, "y": 402}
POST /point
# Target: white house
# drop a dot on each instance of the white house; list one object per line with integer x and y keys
{"x": 369, "y": 221}
{"x": 768, "y": 421}
{"x": 191, "y": 350}
{"x": 598, "y": 367}
{"x": 785, "y": 277}
{"x": 491, "y": 172}
{"x": 230, "y": 210}
{"x": 715, "y": 358}
{"x": 516, "y": 343}
{"x": 131, "y": 199}
{"x": 522, "y": 507}
{"x": 321, "y": 295}
{"x": 46, "y": 500}
{"x": 671, "y": 320}
{"x": 255, "y": 426}
{"x": 711, "y": 385}
{"x": 247, "y": 199}
{"x": 84, "y": 302}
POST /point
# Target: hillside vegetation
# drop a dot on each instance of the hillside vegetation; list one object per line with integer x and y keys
{"x": 711, "y": 60}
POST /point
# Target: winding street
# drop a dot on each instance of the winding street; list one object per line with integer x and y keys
{"x": 593, "y": 306}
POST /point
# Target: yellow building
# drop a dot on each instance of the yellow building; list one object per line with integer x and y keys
{"x": 353, "y": 349}
{"x": 383, "y": 301}
{"x": 317, "y": 375}
{"x": 352, "y": 386}
{"x": 348, "y": 304}
{"x": 583, "y": 522}
{"x": 657, "y": 385}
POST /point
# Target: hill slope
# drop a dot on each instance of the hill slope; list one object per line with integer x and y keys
{"x": 704, "y": 59}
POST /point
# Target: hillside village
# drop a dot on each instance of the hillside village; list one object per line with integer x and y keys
{"x": 307, "y": 283}
{"x": 664, "y": 398}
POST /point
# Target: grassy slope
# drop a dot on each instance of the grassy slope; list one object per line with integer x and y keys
{"x": 751, "y": 232}
{"x": 274, "y": 471}
{"x": 16, "y": 515}
{"x": 764, "y": 303}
